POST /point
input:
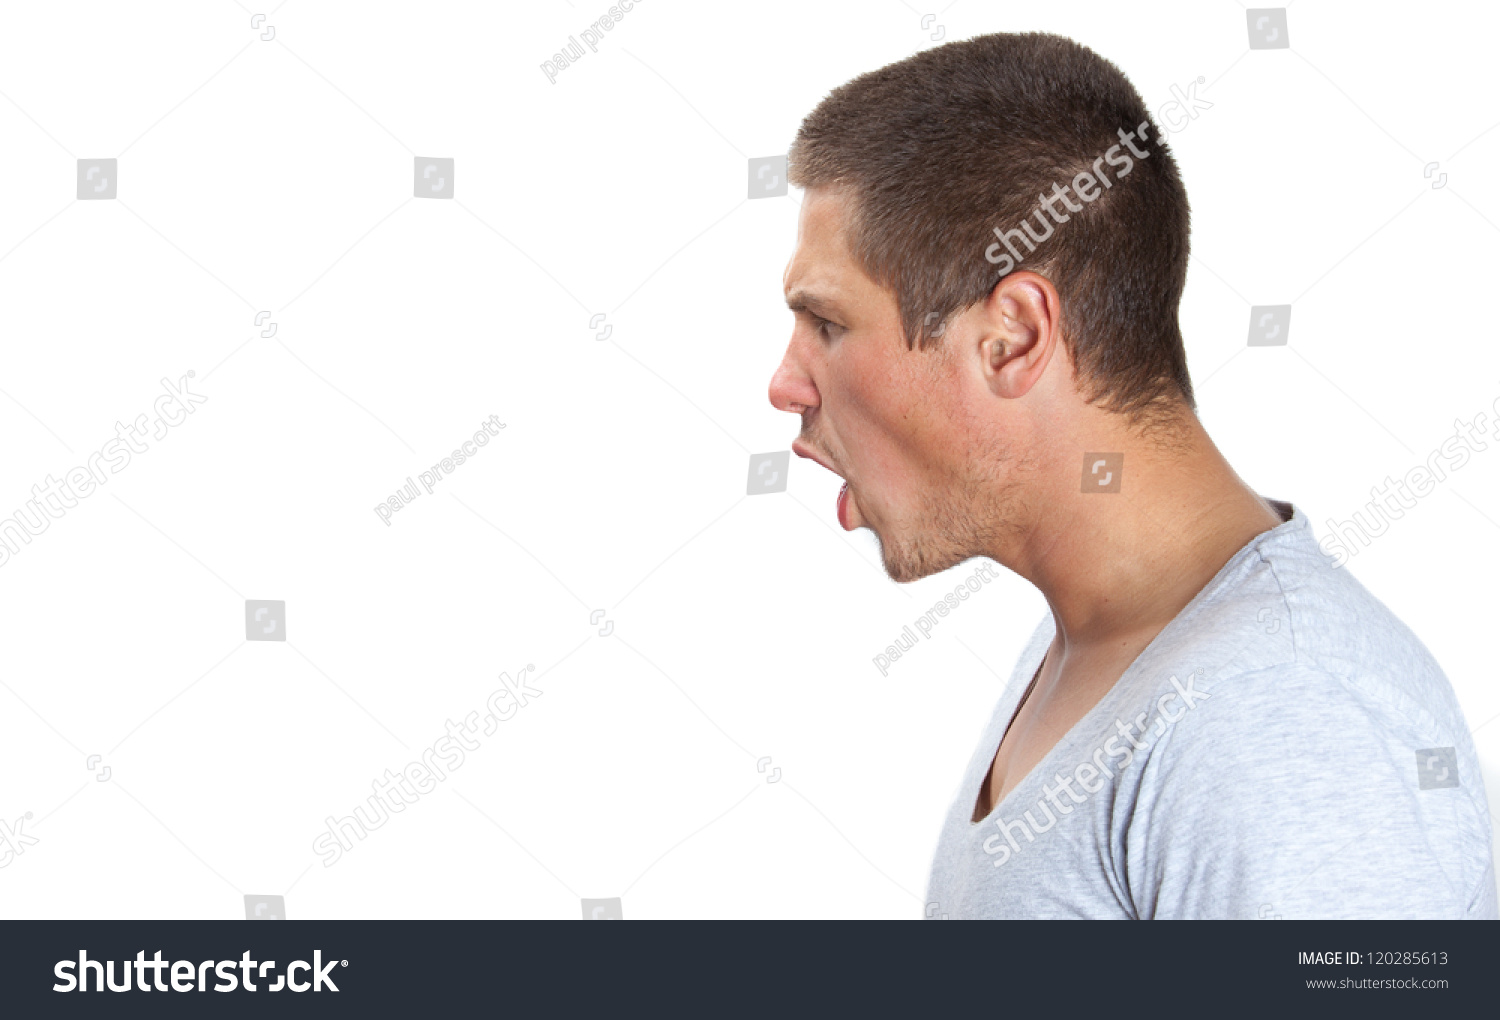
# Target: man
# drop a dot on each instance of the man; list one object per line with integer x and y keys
{"x": 1213, "y": 720}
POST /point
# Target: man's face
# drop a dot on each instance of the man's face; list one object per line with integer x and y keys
{"x": 900, "y": 426}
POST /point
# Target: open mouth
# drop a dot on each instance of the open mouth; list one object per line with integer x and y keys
{"x": 844, "y": 507}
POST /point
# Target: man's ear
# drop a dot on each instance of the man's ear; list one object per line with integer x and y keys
{"x": 1021, "y": 328}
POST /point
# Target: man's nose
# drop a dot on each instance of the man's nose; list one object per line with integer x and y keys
{"x": 792, "y": 389}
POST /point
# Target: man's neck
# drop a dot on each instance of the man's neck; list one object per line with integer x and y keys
{"x": 1115, "y": 566}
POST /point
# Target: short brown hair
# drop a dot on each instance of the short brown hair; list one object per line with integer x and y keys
{"x": 943, "y": 150}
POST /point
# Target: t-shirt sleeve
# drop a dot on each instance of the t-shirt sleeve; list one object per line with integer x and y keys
{"x": 1290, "y": 793}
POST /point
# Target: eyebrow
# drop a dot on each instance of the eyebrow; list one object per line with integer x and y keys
{"x": 807, "y": 301}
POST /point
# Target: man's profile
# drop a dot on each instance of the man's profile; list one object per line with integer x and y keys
{"x": 1212, "y": 720}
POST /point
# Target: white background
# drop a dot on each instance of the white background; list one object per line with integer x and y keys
{"x": 278, "y": 175}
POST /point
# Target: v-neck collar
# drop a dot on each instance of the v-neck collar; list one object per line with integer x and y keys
{"x": 1292, "y": 520}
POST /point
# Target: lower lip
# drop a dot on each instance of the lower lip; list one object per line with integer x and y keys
{"x": 843, "y": 507}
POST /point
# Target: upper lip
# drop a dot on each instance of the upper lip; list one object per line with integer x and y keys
{"x": 804, "y": 451}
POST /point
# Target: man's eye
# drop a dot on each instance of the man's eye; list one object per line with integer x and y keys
{"x": 826, "y": 329}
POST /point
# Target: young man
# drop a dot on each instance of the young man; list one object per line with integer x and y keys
{"x": 1213, "y": 720}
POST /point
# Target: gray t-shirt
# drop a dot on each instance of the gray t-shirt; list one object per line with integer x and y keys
{"x": 1284, "y": 748}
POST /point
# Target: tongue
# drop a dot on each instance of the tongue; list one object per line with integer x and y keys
{"x": 843, "y": 507}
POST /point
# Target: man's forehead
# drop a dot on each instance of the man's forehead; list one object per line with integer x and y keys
{"x": 819, "y": 271}
{"x": 821, "y": 221}
{"x": 813, "y": 284}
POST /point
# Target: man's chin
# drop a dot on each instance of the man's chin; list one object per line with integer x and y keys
{"x": 905, "y": 563}
{"x": 900, "y": 565}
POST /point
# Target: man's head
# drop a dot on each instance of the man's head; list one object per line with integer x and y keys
{"x": 924, "y": 181}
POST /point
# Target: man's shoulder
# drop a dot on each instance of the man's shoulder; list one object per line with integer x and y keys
{"x": 1283, "y": 623}
{"x": 1303, "y": 688}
